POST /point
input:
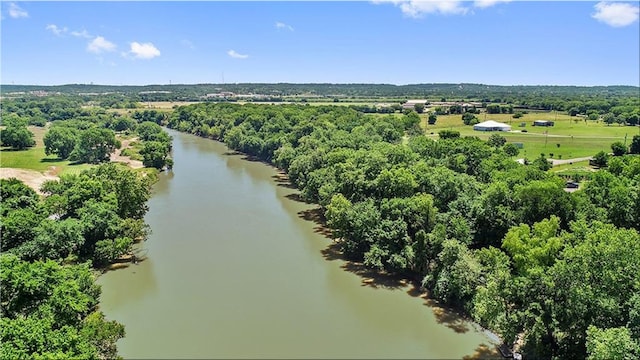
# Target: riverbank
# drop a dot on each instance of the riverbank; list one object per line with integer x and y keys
{"x": 244, "y": 276}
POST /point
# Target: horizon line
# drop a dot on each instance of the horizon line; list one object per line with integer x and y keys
{"x": 318, "y": 83}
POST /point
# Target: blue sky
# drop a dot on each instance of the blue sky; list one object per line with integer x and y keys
{"x": 397, "y": 42}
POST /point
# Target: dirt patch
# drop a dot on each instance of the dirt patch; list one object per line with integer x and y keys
{"x": 116, "y": 156}
{"x": 32, "y": 178}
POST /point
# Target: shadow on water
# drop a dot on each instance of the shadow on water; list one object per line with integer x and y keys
{"x": 316, "y": 216}
{"x": 444, "y": 315}
{"x": 281, "y": 179}
{"x": 246, "y": 157}
{"x": 370, "y": 277}
{"x": 484, "y": 352}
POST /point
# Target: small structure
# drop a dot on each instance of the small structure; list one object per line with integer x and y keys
{"x": 491, "y": 125}
{"x": 410, "y": 104}
{"x": 543, "y": 123}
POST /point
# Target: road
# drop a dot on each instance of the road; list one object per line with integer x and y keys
{"x": 556, "y": 162}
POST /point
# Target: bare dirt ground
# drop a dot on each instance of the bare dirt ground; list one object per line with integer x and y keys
{"x": 32, "y": 178}
{"x": 117, "y": 157}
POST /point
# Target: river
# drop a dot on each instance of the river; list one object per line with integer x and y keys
{"x": 234, "y": 270}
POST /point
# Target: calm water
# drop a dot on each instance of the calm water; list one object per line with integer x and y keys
{"x": 234, "y": 271}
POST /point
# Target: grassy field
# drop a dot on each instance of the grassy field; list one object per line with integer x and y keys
{"x": 35, "y": 158}
{"x": 567, "y": 139}
{"x": 570, "y": 137}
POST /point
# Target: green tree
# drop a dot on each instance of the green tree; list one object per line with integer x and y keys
{"x": 601, "y": 159}
{"x": 535, "y": 247}
{"x": 542, "y": 163}
{"x": 154, "y": 154}
{"x": 496, "y": 140}
{"x": 50, "y": 311}
{"x": 611, "y": 344}
{"x": 17, "y": 227}
{"x": 419, "y": 108}
{"x": 17, "y": 137}
{"x": 94, "y": 146}
{"x": 468, "y": 118}
{"x": 635, "y": 145}
{"x": 16, "y": 195}
{"x": 618, "y": 148}
{"x": 449, "y": 134}
{"x": 61, "y": 141}
{"x": 511, "y": 149}
{"x": 433, "y": 117}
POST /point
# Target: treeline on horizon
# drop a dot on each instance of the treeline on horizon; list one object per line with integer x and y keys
{"x": 449, "y": 91}
{"x": 501, "y": 241}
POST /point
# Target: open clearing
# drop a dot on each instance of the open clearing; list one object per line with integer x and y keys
{"x": 570, "y": 137}
{"x": 34, "y": 167}
{"x": 33, "y": 179}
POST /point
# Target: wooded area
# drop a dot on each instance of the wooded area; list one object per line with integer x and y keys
{"x": 554, "y": 273}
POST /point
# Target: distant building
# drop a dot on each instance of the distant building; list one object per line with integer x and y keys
{"x": 491, "y": 125}
{"x": 410, "y": 104}
{"x": 543, "y": 123}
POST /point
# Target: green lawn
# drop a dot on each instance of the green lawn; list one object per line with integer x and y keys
{"x": 568, "y": 138}
{"x": 35, "y": 159}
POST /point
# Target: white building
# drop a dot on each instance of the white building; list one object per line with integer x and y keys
{"x": 491, "y": 125}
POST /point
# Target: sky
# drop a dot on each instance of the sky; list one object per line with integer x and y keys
{"x": 584, "y": 43}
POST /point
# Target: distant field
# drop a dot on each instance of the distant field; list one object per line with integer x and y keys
{"x": 165, "y": 104}
{"x": 575, "y": 138}
{"x": 571, "y": 137}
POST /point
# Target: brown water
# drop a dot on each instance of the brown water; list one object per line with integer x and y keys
{"x": 234, "y": 270}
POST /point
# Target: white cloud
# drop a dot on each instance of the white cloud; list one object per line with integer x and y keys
{"x": 418, "y": 8}
{"x": 16, "y": 11}
{"x": 81, "y": 34}
{"x": 488, "y": 3}
{"x": 100, "y": 45}
{"x": 56, "y": 30}
{"x": 616, "y": 14}
{"x": 144, "y": 50}
{"x": 236, "y": 55}
{"x": 281, "y": 25}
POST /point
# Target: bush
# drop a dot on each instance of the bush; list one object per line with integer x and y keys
{"x": 618, "y": 148}
{"x": 600, "y": 159}
{"x": 449, "y": 134}
{"x": 511, "y": 149}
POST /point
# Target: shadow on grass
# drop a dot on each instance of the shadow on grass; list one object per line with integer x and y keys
{"x": 51, "y": 160}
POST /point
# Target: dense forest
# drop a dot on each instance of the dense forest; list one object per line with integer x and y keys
{"x": 49, "y": 246}
{"x": 555, "y": 272}
{"x": 53, "y": 243}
